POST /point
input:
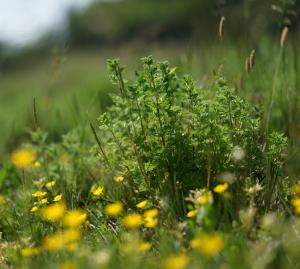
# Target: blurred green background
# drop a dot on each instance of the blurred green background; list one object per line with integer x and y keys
{"x": 67, "y": 75}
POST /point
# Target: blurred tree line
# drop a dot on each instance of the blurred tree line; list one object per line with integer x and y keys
{"x": 116, "y": 21}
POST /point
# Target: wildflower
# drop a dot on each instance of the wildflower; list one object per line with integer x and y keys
{"x": 192, "y": 213}
{"x": 142, "y": 204}
{"x": 133, "y": 221}
{"x": 71, "y": 235}
{"x": 136, "y": 246}
{"x": 296, "y": 204}
{"x": 151, "y": 213}
{"x": 205, "y": 198}
{"x": 36, "y": 164}
{"x": 113, "y": 209}
{"x": 143, "y": 246}
{"x": 118, "y": 179}
{"x": 54, "y": 212}
{"x": 98, "y": 191}
{"x": 208, "y": 244}
{"x": 68, "y": 265}
{"x": 179, "y": 261}
{"x": 44, "y": 201}
{"x": 150, "y": 222}
{"x": 30, "y": 251}
{"x": 60, "y": 241}
{"x": 57, "y": 198}
{"x": 39, "y": 194}
{"x": 295, "y": 189}
{"x": 22, "y": 158}
{"x": 34, "y": 209}
{"x": 75, "y": 218}
{"x": 51, "y": 184}
{"x": 54, "y": 242}
{"x": 220, "y": 188}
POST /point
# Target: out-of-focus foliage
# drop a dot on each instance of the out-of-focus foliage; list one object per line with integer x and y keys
{"x": 157, "y": 19}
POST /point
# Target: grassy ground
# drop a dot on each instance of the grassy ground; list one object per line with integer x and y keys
{"x": 115, "y": 198}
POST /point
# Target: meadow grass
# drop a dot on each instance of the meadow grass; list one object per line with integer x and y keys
{"x": 194, "y": 171}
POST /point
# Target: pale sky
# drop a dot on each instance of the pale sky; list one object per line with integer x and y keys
{"x": 25, "y": 21}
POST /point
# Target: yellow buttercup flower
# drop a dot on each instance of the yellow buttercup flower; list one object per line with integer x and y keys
{"x": 179, "y": 261}
{"x": 192, "y": 213}
{"x": 133, "y": 221}
{"x": 30, "y": 251}
{"x": 118, "y": 179}
{"x": 113, "y": 209}
{"x": 54, "y": 212}
{"x": 142, "y": 204}
{"x": 220, "y": 188}
{"x": 44, "y": 201}
{"x": 150, "y": 222}
{"x": 51, "y": 184}
{"x": 57, "y": 198}
{"x": 144, "y": 246}
{"x": 39, "y": 194}
{"x": 208, "y": 244}
{"x": 54, "y": 242}
{"x": 98, "y": 191}
{"x": 68, "y": 265}
{"x": 58, "y": 241}
{"x": 205, "y": 198}
{"x": 75, "y": 218}
{"x": 151, "y": 213}
{"x": 34, "y": 209}
{"x": 23, "y": 158}
{"x": 296, "y": 204}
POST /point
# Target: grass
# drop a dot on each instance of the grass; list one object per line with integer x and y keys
{"x": 175, "y": 177}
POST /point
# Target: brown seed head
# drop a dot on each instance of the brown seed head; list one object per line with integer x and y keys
{"x": 221, "y": 27}
{"x": 283, "y": 36}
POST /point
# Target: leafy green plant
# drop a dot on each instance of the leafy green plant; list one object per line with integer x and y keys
{"x": 168, "y": 136}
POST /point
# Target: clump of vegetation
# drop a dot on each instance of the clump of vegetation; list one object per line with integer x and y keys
{"x": 181, "y": 176}
{"x": 168, "y": 136}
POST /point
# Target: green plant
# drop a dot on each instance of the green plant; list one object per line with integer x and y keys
{"x": 168, "y": 136}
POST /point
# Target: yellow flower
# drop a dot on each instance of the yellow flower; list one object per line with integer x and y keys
{"x": 151, "y": 213}
{"x": 75, "y": 218}
{"x": 51, "y": 184}
{"x": 142, "y": 204}
{"x": 54, "y": 212}
{"x": 22, "y": 158}
{"x": 208, "y": 244}
{"x": 144, "y": 246}
{"x": 295, "y": 189}
{"x": 205, "y": 198}
{"x": 296, "y": 204}
{"x": 34, "y": 209}
{"x": 36, "y": 164}
{"x": 62, "y": 240}
{"x": 192, "y": 213}
{"x": 113, "y": 209}
{"x": 57, "y": 198}
{"x": 44, "y": 201}
{"x": 150, "y": 222}
{"x": 179, "y": 261}
{"x": 71, "y": 235}
{"x": 98, "y": 191}
{"x": 54, "y": 242}
{"x": 68, "y": 265}
{"x": 118, "y": 178}
{"x": 39, "y": 194}
{"x": 31, "y": 251}
{"x": 220, "y": 188}
{"x": 133, "y": 221}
